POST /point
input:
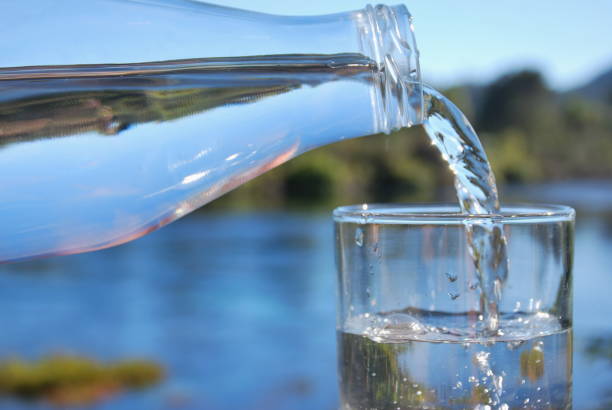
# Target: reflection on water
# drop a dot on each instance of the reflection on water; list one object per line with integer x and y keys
{"x": 599, "y": 350}
{"x": 600, "y": 347}
{"x": 238, "y": 308}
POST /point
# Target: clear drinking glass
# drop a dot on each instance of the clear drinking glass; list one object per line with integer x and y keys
{"x": 410, "y": 331}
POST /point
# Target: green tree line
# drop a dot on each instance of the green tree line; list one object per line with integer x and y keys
{"x": 530, "y": 133}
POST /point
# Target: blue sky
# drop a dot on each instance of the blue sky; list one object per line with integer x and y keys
{"x": 570, "y": 41}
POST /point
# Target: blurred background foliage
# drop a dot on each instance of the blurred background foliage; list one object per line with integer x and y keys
{"x": 530, "y": 132}
{"x": 69, "y": 380}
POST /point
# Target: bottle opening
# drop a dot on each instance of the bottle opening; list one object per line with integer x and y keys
{"x": 388, "y": 38}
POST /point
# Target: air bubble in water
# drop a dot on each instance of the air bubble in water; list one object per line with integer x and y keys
{"x": 498, "y": 382}
{"x": 514, "y": 344}
{"x": 451, "y": 277}
{"x": 359, "y": 237}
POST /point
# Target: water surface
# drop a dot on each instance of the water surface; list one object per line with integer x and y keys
{"x": 240, "y": 310}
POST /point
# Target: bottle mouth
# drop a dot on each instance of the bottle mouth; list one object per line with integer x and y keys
{"x": 387, "y": 36}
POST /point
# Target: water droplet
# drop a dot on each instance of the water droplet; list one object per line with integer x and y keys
{"x": 472, "y": 285}
{"x": 359, "y": 237}
{"x": 418, "y": 393}
{"x": 451, "y": 277}
{"x": 514, "y": 344}
{"x": 365, "y": 218}
{"x": 526, "y": 400}
{"x": 498, "y": 382}
{"x": 373, "y": 374}
{"x": 453, "y": 296}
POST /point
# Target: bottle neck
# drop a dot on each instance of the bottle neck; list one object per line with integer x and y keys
{"x": 388, "y": 38}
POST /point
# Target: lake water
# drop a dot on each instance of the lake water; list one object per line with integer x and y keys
{"x": 240, "y": 308}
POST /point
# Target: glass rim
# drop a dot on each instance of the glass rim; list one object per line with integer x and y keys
{"x": 447, "y": 213}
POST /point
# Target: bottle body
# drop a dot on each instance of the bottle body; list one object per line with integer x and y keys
{"x": 143, "y": 121}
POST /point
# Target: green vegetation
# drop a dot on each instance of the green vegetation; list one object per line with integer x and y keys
{"x": 530, "y": 133}
{"x": 74, "y": 380}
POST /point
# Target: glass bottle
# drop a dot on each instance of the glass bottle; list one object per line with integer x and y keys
{"x": 118, "y": 116}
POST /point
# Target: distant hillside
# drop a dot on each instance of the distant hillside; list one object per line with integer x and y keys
{"x": 600, "y": 88}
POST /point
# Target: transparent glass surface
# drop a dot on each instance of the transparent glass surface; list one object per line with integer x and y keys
{"x": 410, "y": 331}
{"x": 118, "y": 116}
